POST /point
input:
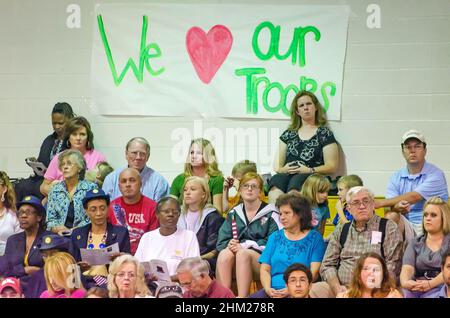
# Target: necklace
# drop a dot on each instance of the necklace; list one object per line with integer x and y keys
{"x": 91, "y": 241}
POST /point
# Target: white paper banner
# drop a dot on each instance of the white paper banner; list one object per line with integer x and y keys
{"x": 242, "y": 61}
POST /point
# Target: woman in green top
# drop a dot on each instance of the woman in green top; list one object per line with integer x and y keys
{"x": 201, "y": 162}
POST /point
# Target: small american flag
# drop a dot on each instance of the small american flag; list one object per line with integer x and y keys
{"x": 234, "y": 227}
{"x": 100, "y": 280}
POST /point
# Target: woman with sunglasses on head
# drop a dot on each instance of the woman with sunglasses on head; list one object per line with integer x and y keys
{"x": 244, "y": 235}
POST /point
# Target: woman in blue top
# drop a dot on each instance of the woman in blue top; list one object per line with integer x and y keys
{"x": 65, "y": 209}
{"x": 295, "y": 243}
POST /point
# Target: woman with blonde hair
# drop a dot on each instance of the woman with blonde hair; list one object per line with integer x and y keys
{"x": 201, "y": 162}
{"x": 126, "y": 278}
{"x": 371, "y": 279}
{"x": 421, "y": 275}
{"x": 62, "y": 277}
{"x": 9, "y": 224}
{"x": 315, "y": 190}
{"x": 307, "y": 146}
{"x": 201, "y": 217}
{"x": 244, "y": 234}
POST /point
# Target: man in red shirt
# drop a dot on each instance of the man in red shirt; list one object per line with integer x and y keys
{"x": 133, "y": 210}
{"x": 194, "y": 278}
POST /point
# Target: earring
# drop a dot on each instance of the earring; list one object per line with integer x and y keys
{"x": 3, "y": 197}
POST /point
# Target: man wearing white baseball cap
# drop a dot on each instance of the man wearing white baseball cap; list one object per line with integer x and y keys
{"x": 412, "y": 185}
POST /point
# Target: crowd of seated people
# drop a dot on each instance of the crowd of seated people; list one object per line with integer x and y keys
{"x": 92, "y": 231}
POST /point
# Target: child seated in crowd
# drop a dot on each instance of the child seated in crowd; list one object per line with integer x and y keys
{"x": 99, "y": 173}
{"x": 315, "y": 189}
{"x": 343, "y": 185}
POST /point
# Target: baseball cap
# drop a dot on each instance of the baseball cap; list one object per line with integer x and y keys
{"x": 413, "y": 134}
{"x": 11, "y": 282}
{"x": 170, "y": 290}
{"x": 34, "y": 202}
{"x": 95, "y": 194}
{"x": 54, "y": 241}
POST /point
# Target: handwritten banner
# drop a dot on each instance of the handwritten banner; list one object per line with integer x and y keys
{"x": 240, "y": 61}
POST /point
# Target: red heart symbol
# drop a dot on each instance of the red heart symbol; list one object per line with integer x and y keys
{"x": 208, "y": 51}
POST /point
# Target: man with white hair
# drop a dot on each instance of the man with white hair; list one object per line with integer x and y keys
{"x": 412, "y": 185}
{"x": 366, "y": 233}
{"x": 193, "y": 275}
{"x": 137, "y": 153}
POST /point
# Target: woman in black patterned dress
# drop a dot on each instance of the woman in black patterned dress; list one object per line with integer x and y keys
{"x": 306, "y": 147}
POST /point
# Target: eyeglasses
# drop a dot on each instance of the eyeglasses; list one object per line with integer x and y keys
{"x": 135, "y": 154}
{"x": 250, "y": 186}
{"x": 294, "y": 280}
{"x": 67, "y": 163}
{"x": 170, "y": 211}
{"x": 24, "y": 212}
{"x": 364, "y": 202}
{"x": 413, "y": 147}
{"x": 131, "y": 275}
{"x": 186, "y": 284}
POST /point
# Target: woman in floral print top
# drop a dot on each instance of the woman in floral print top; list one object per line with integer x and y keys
{"x": 306, "y": 147}
{"x": 65, "y": 207}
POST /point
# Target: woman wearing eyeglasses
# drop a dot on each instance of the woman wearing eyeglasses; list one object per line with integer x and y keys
{"x": 244, "y": 235}
{"x": 169, "y": 242}
{"x": 65, "y": 209}
{"x": 9, "y": 224}
{"x": 201, "y": 217}
{"x": 126, "y": 278}
{"x": 22, "y": 256}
